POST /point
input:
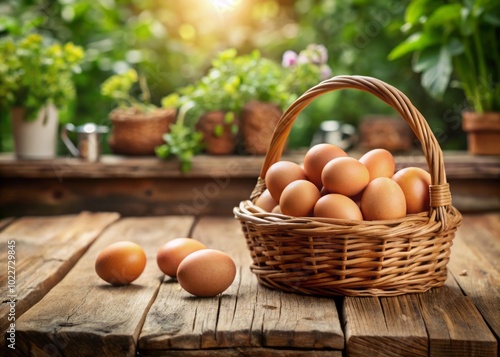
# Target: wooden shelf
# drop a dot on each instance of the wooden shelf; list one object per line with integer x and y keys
{"x": 214, "y": 185}
{"x": 457, "y": 165}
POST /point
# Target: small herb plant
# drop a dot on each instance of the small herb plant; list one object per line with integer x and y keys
{"x": 455, "y": 37}
{"x": 182, "y": 141}
{"x": 119, "y": 87}
{"x": 34, "y": 73}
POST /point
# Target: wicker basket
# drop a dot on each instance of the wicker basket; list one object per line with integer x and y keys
{"x": 137, "y": 133}
{"x": 321, "y": 256}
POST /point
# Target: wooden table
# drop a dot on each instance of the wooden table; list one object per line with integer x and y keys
{"x": 62, "y": 308}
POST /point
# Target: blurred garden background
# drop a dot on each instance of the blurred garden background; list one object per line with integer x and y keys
{"x": 173, "y": 43}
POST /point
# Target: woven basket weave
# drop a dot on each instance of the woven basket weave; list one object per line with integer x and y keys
{"x": 138, "y": 133}
{"x": 323, "y": 256}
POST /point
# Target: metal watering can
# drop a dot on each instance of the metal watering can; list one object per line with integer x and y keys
{"x": 89, "y": 143}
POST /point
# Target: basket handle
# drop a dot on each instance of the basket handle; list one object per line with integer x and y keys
{"x": 440, "y": 196}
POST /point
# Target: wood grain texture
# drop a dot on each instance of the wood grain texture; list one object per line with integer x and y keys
{"x": 5, "y": 222}
{"x": 46, "y": 248}
{"x": 475, "y": 264}
{"x": 132, "y": 167}
{"x": 128, "y": 196}
{"x": 85, "y": 316}
{"x": 390, "y": 326}
{"x": 457, "y": 165}
{"x": 243, "y": 352}
{"x": 245, "y": 315}
{"x": 454, "y": 325}
{"x": 442, "y": 322}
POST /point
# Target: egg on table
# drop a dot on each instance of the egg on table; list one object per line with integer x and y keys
{"x": 120, "y": 263}
{"x": 206, "y": 272}
{"x": 172, "y": 253}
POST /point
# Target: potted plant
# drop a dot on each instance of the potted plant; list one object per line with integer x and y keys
{"x": 261, "y": 86}
{"x": 245, "y": 93}
{"x": 35, "y": 83}
{"x": 221, "y": 102}
{"x": 138, "y": 125}
{"x": 459, "y": 38}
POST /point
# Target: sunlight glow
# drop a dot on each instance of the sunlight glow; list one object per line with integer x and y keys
{"x": 225, "y": 5}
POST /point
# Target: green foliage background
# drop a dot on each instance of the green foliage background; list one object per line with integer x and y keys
{"x": 173, "y": 42}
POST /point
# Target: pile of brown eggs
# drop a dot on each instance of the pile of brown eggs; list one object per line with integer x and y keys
{"x": 199, "y": 270}
{"x": 333, "y": 185}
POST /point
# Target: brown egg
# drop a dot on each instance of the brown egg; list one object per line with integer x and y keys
{"x": 207, "y": 272}
{"x": 357, "y": 198}
{"x": 298, "y": 198}
{"x": 172, "y": 253}
{"x": 120, "y": 263}
{"x": 345, "y": 175}
{"x": 415, "y": 183}
{"x": 323, "y": 191}
{"x": 317, "y": 157}
{"x": 335, "y": 205}
{"x": 276, "y": 209}
{"x": 280, "y": 174}
{"x": 266, "y": 201}
{"x": 383, "y": 199}
{"x": 379, "y": 162}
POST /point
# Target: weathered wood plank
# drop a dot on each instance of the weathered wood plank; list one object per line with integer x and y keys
{"x": 46, "y": 248}
{"x": 129, "y": 196}
{"x": 5, "y": 222}
{"x": 85, "y": 316}
{"x": 246, "y": 315}
{"x": 454, "y": 325}
{"x": 243, "y": 352}
{"x": 481, "y": 232}
{"x": 457, "y": 165}
{"x": 388, "y": 326}
{"x": 475, "y": 264}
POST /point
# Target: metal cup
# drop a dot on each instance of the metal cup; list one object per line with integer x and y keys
{"x": 89, "y": 143}
{"x": 337, "y": 133}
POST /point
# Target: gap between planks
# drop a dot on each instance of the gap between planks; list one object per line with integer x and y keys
{"x": 83, "y": 315}
{"x": 46, "y": 248}
{"x": 245, "y": 317}
{"x": 443, "y": 321}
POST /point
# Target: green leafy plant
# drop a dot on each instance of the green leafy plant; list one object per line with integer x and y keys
{"x": 34, "y": 73}
{"x": 119, "y": 86}
{"x": 182, "y": 141}
{"x": 455, "y": 37}
{"x": 232, "y": 81}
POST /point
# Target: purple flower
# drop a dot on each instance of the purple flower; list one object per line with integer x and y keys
{"x": 289, "y": 59}
{"x": 325, "y": 72}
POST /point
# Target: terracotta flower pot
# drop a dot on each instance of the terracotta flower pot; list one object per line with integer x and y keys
{"x": 217, "y": 141}
{"x": 258, "y": 121}
{"x": 137, "y": 133}
{"x": 483, "y": 132}
{"x": 35, "y": 139}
